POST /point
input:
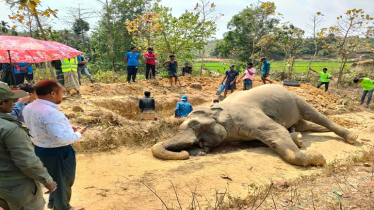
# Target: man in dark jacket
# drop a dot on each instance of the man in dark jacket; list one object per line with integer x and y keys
{"x": 147, "y": 106}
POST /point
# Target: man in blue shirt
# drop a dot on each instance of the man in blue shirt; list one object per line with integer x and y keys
{"x": 183, "y": 108}
{"x": 132, "y": 64}
{"x": 265, "y": 71}
{"x": 24, "y": 72}
{"x": 83, "y": 69}
{"x": 231, "y": 76}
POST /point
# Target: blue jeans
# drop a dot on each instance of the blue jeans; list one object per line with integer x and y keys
{"x": 364, "y": 93}
{"x": 83, "y": 70}
{"x": 61, "y": 165}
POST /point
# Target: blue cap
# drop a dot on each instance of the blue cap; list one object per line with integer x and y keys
{"x": 184, "y": 98}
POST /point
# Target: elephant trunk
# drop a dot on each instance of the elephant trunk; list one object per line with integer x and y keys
{"x": 173, "y": 149}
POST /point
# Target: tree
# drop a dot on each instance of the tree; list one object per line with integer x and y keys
{"x": 347, "y": 30}
{"x": 30, "y": 7}
{"x": 290, "y": 38}
{"x": 80, "y": 27}
{"x": 4, "y": 27}
{"x": 143, "y": 28}
{"x": 177, "y": 35}
{"x": 111, "y": 40}
{"x": 208, "y": 27}
{"x": 77, "y": 18}
{"x": 246, "y": 30}
{"x": 316, "y": 22}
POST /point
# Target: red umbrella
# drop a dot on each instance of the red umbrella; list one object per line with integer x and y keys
{"x": 29, "y": 50}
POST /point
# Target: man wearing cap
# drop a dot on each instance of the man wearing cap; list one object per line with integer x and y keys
{"x": 21, "y": 171}
{"x": 231, "y": 76}
{"x": 53, "y": 137}
{"x": 265, "y": 70}
{"x": 183, "y": 108}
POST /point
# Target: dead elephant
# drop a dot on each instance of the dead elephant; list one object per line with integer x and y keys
{"x": 264, "y": 113}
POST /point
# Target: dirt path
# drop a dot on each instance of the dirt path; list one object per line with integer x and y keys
{"x": 117, "y": 179}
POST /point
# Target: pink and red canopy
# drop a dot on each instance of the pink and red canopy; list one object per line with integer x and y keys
{"x": 29, "y": 50}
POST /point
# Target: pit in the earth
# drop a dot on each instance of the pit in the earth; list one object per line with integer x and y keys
{"x": 115, "y": 166}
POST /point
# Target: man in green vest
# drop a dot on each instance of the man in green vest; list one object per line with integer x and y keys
{"x": 368, "y": 86}
{"x": 71, "y": 79}
{"x": 325, "y": 78}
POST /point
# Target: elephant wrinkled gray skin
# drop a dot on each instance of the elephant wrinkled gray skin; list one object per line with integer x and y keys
{"x": 264, "y": 113}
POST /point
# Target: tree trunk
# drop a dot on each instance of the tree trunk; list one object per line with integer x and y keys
{"x": 202, "y": 41}
{"x": 110, "y": 35}
{"x": 51, "y": 70}
{"x": 344, "y": 61}
{"x": 312, "y": 58}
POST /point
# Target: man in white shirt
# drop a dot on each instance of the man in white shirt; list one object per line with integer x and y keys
{"x": 53, "y": 135}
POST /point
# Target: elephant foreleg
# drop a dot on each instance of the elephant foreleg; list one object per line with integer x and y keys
{"x": 279, "y": 139}
{"x": 297, "y": 138}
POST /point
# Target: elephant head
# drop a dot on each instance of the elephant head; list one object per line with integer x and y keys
{"x": 205, "y": 127}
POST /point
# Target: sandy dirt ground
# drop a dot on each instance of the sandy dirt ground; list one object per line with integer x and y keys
{"x": 125, "y": 176}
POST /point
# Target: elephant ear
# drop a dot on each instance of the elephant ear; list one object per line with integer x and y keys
{"x": 199, "y": 124}
{"x": 223, "y": 117}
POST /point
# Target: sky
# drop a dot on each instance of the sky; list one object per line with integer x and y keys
{"x": 298, "y": 12}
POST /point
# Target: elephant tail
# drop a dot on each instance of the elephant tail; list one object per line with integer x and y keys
{"x": 159, "y": 151}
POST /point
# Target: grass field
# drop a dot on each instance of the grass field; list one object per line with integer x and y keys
{"x": 299, "y": 66}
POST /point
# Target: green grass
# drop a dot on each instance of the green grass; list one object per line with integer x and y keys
{"x": 299, "y": 66}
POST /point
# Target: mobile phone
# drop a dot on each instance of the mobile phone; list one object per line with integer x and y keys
{"x": 88, "y": 126}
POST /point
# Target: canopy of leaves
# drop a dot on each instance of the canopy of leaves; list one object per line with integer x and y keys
{"x": 80, "y": 26}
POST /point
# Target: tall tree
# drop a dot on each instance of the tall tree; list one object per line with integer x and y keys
{"x": 177, "y": 35}
{"x": 290, "y": 38}
{"x": 246, "y": 30}
{"x": 77, "y": 18}
{"x": 208, "y": 27}
{"x": 111, "y": 39}
{"x": 347, "y": 30}
{"x": 316, "y": 22}
{"x": 80, "y": 27}
{"x": 30, "y": 7}
{"x": 4, "y": 27}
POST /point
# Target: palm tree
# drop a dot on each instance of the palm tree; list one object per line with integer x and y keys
{"x": 4, "y": 27}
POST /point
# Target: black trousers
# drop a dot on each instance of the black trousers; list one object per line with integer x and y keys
{"x": 20, "y": 78}
{"x": 149, "y": 67}
{"x": 61, "y": 165}
{"x": 324, "y": 83}
{"x": 131, "y": 73}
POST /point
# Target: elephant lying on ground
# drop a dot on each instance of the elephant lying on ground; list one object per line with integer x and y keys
{"x": 264, "y": 113}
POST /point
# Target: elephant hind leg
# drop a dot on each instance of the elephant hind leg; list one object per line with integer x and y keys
{"x": 304, "y": 125}
{"x": 308, "y": 113}
{"x": 279, "y": 139}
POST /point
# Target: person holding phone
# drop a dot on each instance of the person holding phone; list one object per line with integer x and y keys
{"x": 21, "y": 170}
{"x": 53, "y": 137}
